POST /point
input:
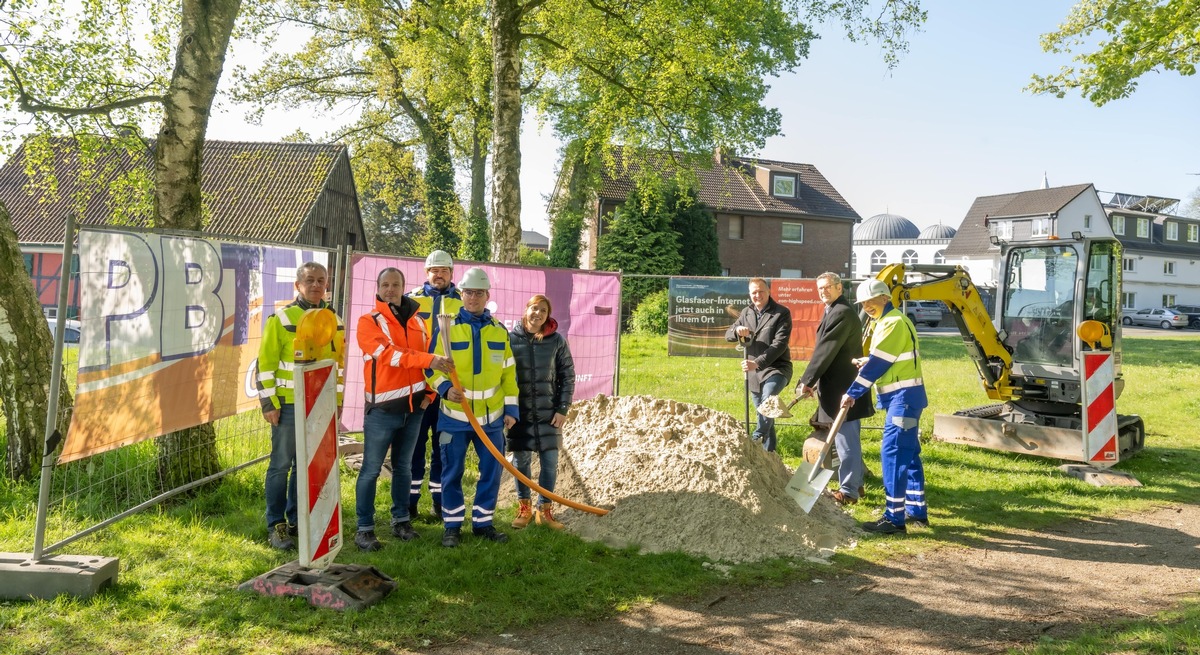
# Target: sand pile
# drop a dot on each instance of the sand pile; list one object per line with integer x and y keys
{"x": 682, "y": 477}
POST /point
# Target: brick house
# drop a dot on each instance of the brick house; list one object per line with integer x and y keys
{"x": 293, "y": 193}
{"x": 774, "y": 218}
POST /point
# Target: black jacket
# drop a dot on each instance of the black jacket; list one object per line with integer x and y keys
{"x": 830, "y": 369}
{"x": 546, "y": 382}
{"x": 768, "y": 345}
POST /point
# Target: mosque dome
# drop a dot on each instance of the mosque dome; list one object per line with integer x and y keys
{"x": 938, "y": 231}
{"x": 886, "y": 226}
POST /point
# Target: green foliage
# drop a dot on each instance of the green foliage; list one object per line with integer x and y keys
{"x": 640, "y": 240}
{"x": 528, "y": 257}
{"x": 478, "y": 246}
{"x": 650, "y": 317}
{"x": 443, "y": 213}
{"x": 1124, "y": 40}
{"x": 390, "y": 194}
{"x": 565, "y": 231}
{"x": 697, "y": 229}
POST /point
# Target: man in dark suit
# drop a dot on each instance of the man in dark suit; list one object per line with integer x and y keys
{"x": 830, "y": 372}
{"x": 765, "y": 328}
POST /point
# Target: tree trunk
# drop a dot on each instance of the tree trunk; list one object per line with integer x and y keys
{"x": 506, "y": 130}
{"x": 26, "y": 349}
{"x": 478, "y": 241}
{"x": 191, "y": 454}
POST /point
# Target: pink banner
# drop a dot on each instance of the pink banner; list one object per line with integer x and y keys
{"x": 584, "y": 303}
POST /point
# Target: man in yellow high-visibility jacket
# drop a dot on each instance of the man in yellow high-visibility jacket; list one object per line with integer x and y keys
{"x": 276, "y": 389}
{"x": 484, "y": 362}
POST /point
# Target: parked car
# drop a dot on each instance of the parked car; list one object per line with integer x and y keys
{"x": 1192, "y": 312}
{"x": 928, "y": 312}
{"x": 71, "y": 329}
{"x": 1156, "y": 317}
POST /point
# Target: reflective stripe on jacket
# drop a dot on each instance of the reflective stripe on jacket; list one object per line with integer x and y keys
{"x": 893, "y": 363}
{"x": 484, "y": 362}
{"x": 432, "y": 303}
{"x": 277, "y": 354}
{"x": 394, "y": 357}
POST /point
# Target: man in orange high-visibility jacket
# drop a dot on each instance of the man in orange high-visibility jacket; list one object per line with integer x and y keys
{"x": 395, "y": 348}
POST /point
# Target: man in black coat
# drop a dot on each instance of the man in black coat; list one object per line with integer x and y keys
{"x": 765, "y": 328}
{"x": 830, "y": 372}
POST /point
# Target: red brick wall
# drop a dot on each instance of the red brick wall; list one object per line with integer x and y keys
{"x": 761, "y": 252}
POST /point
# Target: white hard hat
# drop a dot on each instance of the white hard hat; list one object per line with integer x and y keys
{"x": 868, "y": 289}
{"x": 474, "y": 278}
{"x": 439, "y": 258}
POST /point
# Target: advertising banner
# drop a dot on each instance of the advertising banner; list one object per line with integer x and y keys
{"x": 584, "y": 303}
{"x": 170, "y": 327}
{"x": 702, "y": 309}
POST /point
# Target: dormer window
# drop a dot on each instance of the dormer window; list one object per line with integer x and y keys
{"x": 783, "y": 186}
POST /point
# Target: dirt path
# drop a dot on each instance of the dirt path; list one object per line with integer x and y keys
{"x": 1005, "y": 591}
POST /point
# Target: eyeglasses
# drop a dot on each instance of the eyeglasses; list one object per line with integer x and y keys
{"x": 473, "y": 293}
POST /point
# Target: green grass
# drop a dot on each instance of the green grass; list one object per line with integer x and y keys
{"x": 180, "y": 564}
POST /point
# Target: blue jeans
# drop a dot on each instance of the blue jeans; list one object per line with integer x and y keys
{"x": 454, "y": 457}
{"x": 381, "y": 431}
{"x": 547, "y": 472}
{"x": 281, "y": 470}
{"x": 764, "y": 432}
{"x": 849, "y": 450}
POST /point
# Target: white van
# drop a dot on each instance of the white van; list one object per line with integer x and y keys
{"x": 71, "y": 327}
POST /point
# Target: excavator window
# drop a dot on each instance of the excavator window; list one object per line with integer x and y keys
{"x": 1039, "y": 305}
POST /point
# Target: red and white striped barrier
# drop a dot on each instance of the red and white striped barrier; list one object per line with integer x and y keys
{"x": 318, "y": 487}
{"x": 1099, "y": 410}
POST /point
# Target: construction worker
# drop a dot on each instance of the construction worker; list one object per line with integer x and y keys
{"x": 437, "y": 295}
{"x": 893, "y": 366}
{"x": 484, "y": 361}
{"x": 276, "y": 363}
{"x": 395, "y": 346}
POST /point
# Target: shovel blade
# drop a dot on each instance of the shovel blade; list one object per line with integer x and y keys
{"x": 772, "y": 407}
{"x": 804, "y": 491}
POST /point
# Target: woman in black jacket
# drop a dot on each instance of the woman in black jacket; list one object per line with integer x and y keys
{"x": 546, "y": 380}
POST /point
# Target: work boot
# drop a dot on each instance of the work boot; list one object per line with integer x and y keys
{"x": 491, "y": 534}
{"x": 524, "y": 513}
{"x": 405, "y": 531}
{"x": 909, "y": 519}
{"x": 293, "y": 530}
{"x": 437, "y": 512}
{"x": 842, "y": 499}
{"x": 545, "y": 516}
{"x": 451, "y": 537}
{"x": 884, "y": 526}
{"x": 279, "y": 537}
{"x": 365, "y": 540}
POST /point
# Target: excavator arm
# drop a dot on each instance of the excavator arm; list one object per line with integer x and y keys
{"x": 952, "y": 285}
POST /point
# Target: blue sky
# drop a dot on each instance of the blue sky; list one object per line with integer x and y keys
{"x": 950, "y": 123}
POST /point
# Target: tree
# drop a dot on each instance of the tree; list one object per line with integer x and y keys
{"x": 640, "y": 240}
{"x": 390, "y": 193}
{"x": 653, "y": 74}
{"x": 1142, "y": 36}
{"x": 97, "y": 78}
{"x": 697, "y": 229}
{"x": 1192, "y": 206}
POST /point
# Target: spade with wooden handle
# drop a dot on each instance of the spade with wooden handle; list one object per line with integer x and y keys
{"x": 811, "y": 478}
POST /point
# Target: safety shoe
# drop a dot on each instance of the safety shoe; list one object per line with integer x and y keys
{"x": 545, "y": 516}
{"x": 491, "y": 534}
{"x": 365, "y": 540}
{"x": 842, "y": 499}
{"x": 405, "y": 531}
{"x": 909, "y": 519}
{"x": 451, "y": 537}
{"x": 279, "y": 538}
{"x": 524, "y": 513}
{"x": 884, "y": 526}
{"x": 293, "y": 530}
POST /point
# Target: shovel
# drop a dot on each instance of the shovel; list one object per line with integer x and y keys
{"x": 811, "y": 478}
{"x": 771, "y": 408}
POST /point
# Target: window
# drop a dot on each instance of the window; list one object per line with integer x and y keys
{"x": 783, "y": 186}
{"x": 793, "y": 233}
{"x": 1143, "y": 228}
{"x": 853, "y": 263}
{"x": 1087, "y": 221}
{"x": 724, "y": 272}
{"x": 1172, "y": 231}
{"x": 878, "y": 261}
{"x": 1118, "y": 224}
{"x": 1128, "y": 264}
{"x": 28, "y": 263}
{"x": 1168, "y": 299}
{"x": 909, "y": 257}
{"x": 320, "y": 237}
{"x": 351, "y": 240}
{"x": 1193, "y": 233}
{"x": 1041, "y": 227}
{"x": 1128, "y": 300}
{"x": 735, "y": 228}
{"x": 1169, "y": 269}
{"x": 793, "y": 273}
{"x": 1002, "y": 230}
{"x": 939, "y": 257}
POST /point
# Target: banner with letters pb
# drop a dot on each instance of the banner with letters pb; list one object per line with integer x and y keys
{"x": 170, "y": 327}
